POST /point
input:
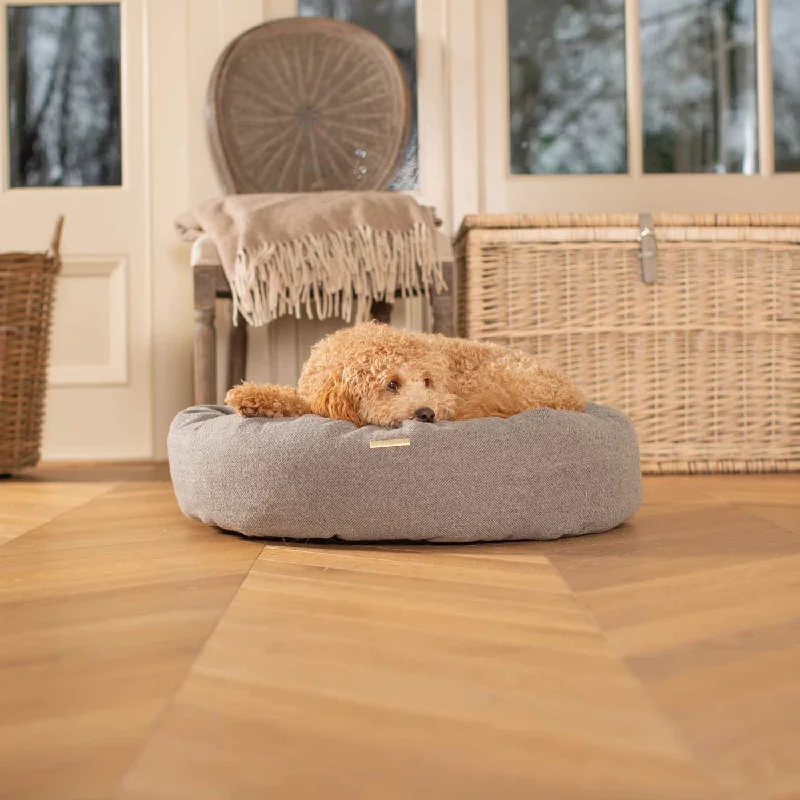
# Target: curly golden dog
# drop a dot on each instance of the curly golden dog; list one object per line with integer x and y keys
{"x": 372, "y": 374}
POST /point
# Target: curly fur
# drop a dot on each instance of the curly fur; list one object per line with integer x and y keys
{"x": 372, "y": 374}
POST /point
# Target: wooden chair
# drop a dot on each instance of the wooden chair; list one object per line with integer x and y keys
{"x": 348, "y": 128}
{"x": 210, "y": 285}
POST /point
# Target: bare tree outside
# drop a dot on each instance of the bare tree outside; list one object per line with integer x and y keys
{"x": 395, "y": 22}
{"x": 699, "y": 86}
{"x": 567, "y": 86}
{"x": 700, "y": 111}
{"x": 786, "y": 83}
{"x": 64, "y": 95}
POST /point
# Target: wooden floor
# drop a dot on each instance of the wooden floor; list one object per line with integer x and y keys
{"x": 146, "y": 656}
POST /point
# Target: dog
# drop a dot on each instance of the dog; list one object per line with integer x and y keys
{"x": 371, "y": 374}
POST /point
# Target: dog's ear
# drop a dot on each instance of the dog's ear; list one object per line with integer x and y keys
{"x": 340, "y": 402}
{"x": 329, "y": 395}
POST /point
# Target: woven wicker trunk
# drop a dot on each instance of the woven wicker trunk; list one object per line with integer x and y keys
{"x": 27, "y": 288}
{"x": 693, "y": 329}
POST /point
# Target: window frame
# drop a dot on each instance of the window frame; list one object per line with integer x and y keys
{"x": 124, "y": 99}
{"x": 501, "y": 192}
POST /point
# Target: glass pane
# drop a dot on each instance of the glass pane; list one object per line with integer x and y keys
{"x": 699, "y": 86}
{"x": 786, "y": 82}
{"x": 395, "y": 22}
{"x": 567, "y": 86}
{"x": 64, "y": 95}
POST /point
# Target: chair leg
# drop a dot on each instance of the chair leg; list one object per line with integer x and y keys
{"x": 237, "y": 352}
{"x": 381, "y": 311}
{"x": 205, "y": 339}
{"x": 442, "y": 304}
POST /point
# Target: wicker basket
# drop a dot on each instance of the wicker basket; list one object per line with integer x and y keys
{"x": 27, "y": 284}
{"x": 689, "y": 323}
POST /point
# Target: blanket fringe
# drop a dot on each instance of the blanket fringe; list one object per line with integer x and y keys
{"x": 325, "y": 274}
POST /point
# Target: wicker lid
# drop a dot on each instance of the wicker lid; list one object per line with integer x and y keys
{"x": 510, "y": 221}
{"x": 308, "y": 104}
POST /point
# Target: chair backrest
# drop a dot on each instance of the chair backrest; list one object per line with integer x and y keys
{"x": 307, "y": 104}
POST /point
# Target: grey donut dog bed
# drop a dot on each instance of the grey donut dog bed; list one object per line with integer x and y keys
{"x": 543, "y": 474}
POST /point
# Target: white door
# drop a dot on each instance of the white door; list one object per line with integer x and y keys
{"x": 73, "y": 141}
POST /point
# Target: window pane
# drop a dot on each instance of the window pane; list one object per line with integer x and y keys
{"x": 395, "y": 22}
{"x": 786, "y": 77}
{"x": 699, "y": 86}
{"x": 567, "y": 86}
{"x": 64, "y": 95}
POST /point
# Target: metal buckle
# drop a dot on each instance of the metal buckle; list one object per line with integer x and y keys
{"x": 648, "y": 248}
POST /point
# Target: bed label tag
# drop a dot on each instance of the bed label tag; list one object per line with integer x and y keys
{"x": 378, "y": 443}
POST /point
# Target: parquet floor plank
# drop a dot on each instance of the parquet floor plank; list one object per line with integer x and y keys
{"x": 25, "y": 506}
{"x": 704, "y": 606}
{"x": 102, "y": 612}
{"x": 416, "y": 673}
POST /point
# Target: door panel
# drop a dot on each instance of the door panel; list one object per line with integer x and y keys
{"x": 99, "y": 403}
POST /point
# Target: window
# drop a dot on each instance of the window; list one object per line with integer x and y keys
{"x": 567, "y": 87}
{"x": 568, "y": 82}
{"x": 64, "y": 95}
{"x": 786, "y": 83}
{"x": 700, "y": 112}
{"x": 395, "y": 22}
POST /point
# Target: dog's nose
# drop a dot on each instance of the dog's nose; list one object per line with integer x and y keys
{"x": 425, "y": 414}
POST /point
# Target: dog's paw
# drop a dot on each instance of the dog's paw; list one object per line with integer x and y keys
{"x": 247, "y": 402}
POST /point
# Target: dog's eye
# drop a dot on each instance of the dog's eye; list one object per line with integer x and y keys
{"x": 428, "y": 383}
{"x": 392, "y": 386}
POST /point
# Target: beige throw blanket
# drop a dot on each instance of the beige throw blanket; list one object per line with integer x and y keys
{"x": 285, "y": 252}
